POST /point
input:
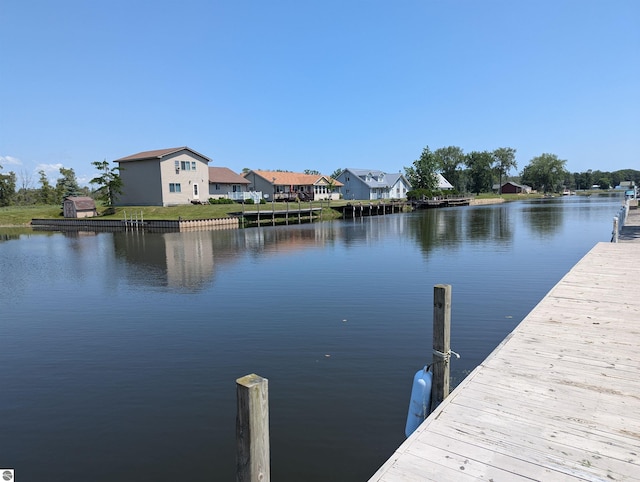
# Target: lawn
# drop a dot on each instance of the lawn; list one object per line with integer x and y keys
{"x": 22, "y": 215}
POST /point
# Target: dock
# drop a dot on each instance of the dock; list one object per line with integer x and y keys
{"x": 441, "y": 202}
{"x": 558, "y": 399}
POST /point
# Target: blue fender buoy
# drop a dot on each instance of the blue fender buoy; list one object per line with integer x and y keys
{"x": 420, "y": 403}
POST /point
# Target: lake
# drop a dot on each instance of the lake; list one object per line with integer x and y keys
{"x": 119, "y": 351}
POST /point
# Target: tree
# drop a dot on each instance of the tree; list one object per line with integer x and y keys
{"x": 336, "y": 173}
{"x": 67, "y": 185}
{"x": 110, "y": 182}
{"x": 545, "y": 172}
{"x": 504, "y": 159}
{"x": 423, "y": 173}
{"x": 479, "y": 165}
{"x": 7, "y": 188}
{"x": 604, "y": 183}
{"x": 449, "y": 160}
{"x": 311, "y": 171}
{"x": 47, "y": 193}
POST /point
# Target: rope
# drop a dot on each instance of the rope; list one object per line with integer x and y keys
{"x": 445, "y": 357}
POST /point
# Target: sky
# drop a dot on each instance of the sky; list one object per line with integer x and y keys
{"x": 317, "y": 84}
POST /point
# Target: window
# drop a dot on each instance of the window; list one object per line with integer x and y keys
{"x": 195, "y": 190}
{"x": 175, "y": 187}
{"x": 177, "y": 165}
{"x": 186, "y": 165}
{"x": 193, "y": 165}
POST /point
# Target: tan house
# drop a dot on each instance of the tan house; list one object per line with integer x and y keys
{"x": 289, "y": 186}
{"x": 224, "y": 183}
{"x": 79, "y": 207}
{"x": 164, "y": 177}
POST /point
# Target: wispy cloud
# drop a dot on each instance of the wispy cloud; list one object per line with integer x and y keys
{"x": 49, "y": 168}
{"x": 6, "y": 161}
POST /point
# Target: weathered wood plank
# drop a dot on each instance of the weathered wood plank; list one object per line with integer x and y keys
{"x": 558, "y": 399}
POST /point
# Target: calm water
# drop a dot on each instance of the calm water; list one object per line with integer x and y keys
{"x": 119, "y": 351}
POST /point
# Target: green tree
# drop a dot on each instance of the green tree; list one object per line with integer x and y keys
{"x": 604, "y": 183}
{"x": 422, "y": 175}
{"x": 7, "y": 188}
{"x": 67, "y": 185}
{"x": 504, "y": 159}
{"x": 449, "y": 161}
{"x": 479, "y": 170}
{"x": 336, "y": 173}
{"x": 47, "y": 193}
{"x": 311, "y": 171}
{"x": 545, "y": 172}
{"x": 109, "y": 182}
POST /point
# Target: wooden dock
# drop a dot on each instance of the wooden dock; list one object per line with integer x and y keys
{"x": 441, "y": 202}
{"x": 272, "y": 216}
{"x": 557, "y": 400}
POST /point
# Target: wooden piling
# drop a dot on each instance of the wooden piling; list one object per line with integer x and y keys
{"x": 252, "y": 429}
{"x": 441, "y": 343}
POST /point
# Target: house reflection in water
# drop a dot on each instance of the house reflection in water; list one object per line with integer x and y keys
{"x": 181, "y": 261}
{"x": 189, "y": 261}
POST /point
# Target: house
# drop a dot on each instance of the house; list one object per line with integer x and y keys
{"x": 224, "y": 183}
{"x": 373, "y": 184}
{"x": 163, "y": 177}
{"x": 289, "y": 186}
{"x": 443, "y": 184}
{"x": 79, "y": 207}
{"x": 510, "y": 187}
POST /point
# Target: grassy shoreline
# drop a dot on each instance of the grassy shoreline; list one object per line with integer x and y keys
{"x": 21, "y": 216}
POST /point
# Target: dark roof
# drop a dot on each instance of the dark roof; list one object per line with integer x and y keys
{"x": 158, "y": 154}
{"x": 224, "y": 175}
{"x": 82, "y": 203}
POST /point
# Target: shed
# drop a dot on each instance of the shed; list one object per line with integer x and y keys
{"x": 514, "y": 188}
{"x": 79, "y": 207}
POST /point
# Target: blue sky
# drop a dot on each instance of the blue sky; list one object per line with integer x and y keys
{"x": 321, "y": 85}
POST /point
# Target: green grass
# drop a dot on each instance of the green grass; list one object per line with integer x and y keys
{"x": 22, "y": 215}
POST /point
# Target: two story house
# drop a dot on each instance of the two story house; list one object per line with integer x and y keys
{"x": 373, "y": 184}
{"x": 163, "y": 177}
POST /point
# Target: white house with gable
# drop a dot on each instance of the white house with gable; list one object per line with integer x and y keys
{"x": 373, "y": 184}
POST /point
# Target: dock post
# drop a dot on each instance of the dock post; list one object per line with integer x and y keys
{"x": 252, "y": 429}
{"x": 441, "y": 343}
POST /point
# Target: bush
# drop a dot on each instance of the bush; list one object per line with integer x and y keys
{"x": 222, "y": 200}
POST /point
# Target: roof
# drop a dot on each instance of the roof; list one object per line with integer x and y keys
{"x": 523, "y": 186}
{"x": 224, "y": 175}
{"x": 443, "y": 183}
{"x": 293, "y": 178}
{"x": 158, "y": 154}
{"x": 82, "y": 202}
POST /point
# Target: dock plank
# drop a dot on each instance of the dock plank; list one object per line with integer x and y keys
{"x": 558, "y": 399}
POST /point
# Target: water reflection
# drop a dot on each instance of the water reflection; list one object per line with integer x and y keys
{"x": 450, "y": 228}
{"x": 157, "y": 326}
